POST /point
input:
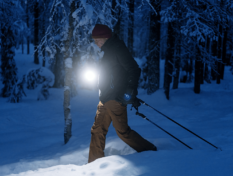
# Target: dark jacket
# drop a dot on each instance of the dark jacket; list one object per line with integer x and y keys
{"x": 118, "y": 70}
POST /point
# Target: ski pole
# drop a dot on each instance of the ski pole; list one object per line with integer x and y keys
{"x": 144, "y": 117}
{"x": 178, "y": 124}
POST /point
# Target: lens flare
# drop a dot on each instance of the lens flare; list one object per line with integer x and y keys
{"x": 90, "y": 75}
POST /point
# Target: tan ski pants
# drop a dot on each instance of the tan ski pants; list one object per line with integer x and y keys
{"x": 115, "y": 112}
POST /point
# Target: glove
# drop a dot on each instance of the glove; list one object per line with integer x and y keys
{"x": 127, "y": 97}
{"x": 136, "y": 103}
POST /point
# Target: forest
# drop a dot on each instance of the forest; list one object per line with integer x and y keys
{"x": 193, "y": 38}
{"x": 184, "y": 49}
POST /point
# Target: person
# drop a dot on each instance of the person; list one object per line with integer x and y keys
{"x": 118, "y": 82}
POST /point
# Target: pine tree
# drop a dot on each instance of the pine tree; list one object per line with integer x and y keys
{"x": 36, "y": 31}
{"x": 131, "y": 27}
{"x": 10, "y": 26}
{"x": 198, "y": 67}
{"x": 177, "y": 47}
{"x": 227, "y": 8}
{"x": 224, "y": 52}
{"x": 8, "y": 66}
{"x": 27, "y": 21}
{"x": 201, "y": 20}
{"x": 219, "y": 55}
{"x": 116, "y": 12}
{"x": 207, "y": 72}
{"x": 214, "y": 54}
{"x": 169, "y": 60}
{"x": 177, "y": 60}
{"x": 71, "y": 34}
{"x": 153, "y": 60}
{"x": 58, "y": 69}
{"x": 18, "y": 91}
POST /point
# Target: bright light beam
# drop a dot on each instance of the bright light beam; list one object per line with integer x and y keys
{"x": 89, "y": 75}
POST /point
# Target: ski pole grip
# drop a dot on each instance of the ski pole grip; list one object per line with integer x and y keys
{"x": 141, "y": 101}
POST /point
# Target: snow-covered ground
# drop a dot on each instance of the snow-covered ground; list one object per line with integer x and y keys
{"x": 31, "y": 131}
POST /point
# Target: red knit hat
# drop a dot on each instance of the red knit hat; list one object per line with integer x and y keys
{"x": 101, "y": 31}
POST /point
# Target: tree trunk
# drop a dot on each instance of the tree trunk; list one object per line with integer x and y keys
{"x": 177, "y": 54}
{"x": 43, "y": 32}
{"x": 21, "y": 33}
{"x": 198, "y": 62}
{"x": 190, "y": 70}
{"x": 228, "y": 57}
{"x": 36, "y": 32}
{"x": 214, "y": 53}
{"x": 177, "y": 68}
{"x": 206, "y": 67}
{"x": 68, "y": 74}
{"x": 224, "y": 53}
{"x": 118, "y": 16}
{"x": 169, "y": 60}
{"x": 58, "y": 69}
{"x": 201, "y": 69}
{"x": 28, "y": 36}
{"x": 8, "y": 65}
{"x": 22, "y": 44}
{"x": 201, "y": 72}
{"x": 219, "y": 64}
{"x": 153, "y": 59}
{"x": 130, "y": 27}
{"x": 206, "y": 73}
{"x": 177, "y": 59}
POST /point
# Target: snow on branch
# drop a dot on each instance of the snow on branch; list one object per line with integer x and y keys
{"x": 87, "y": 14}
{"x": 68, "y": 63}
{"x": 198, "y": 19}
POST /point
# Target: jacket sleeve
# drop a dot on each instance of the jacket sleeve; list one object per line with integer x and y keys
{"x": 129, "y": 64}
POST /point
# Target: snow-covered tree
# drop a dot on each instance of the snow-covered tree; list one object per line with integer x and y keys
{"x": 42, "y": 77}
{"x": 71, "y": 24}
{"x": 153, "y": 58}
{"x": 131, "y": 27}
{"x": 11, "y": 25}
{"x": 18, "y": 91}
{"x": 201, "y": 19}
{"x": 36, "y": 31}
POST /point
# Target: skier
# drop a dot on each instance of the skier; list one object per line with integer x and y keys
{"x": 118, "y": 82}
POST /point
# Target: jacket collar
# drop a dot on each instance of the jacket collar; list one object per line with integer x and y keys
{"x": 109, "y": 43}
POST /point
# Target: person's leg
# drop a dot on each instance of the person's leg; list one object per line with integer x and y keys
{"x": 98, "y": 133}
{"x": 118, "y": 115}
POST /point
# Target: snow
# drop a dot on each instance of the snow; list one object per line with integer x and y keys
{"x": 32, "y": 133}
{"x": 88, "y": 15}
{"x": 66, "y": 88}
{"x": 68, "y": 62}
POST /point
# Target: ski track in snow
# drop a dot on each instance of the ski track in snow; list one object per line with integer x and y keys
{"x": 31, "y": 133}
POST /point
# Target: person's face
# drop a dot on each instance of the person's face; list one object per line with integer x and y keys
{"x": 100, "y": 41}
